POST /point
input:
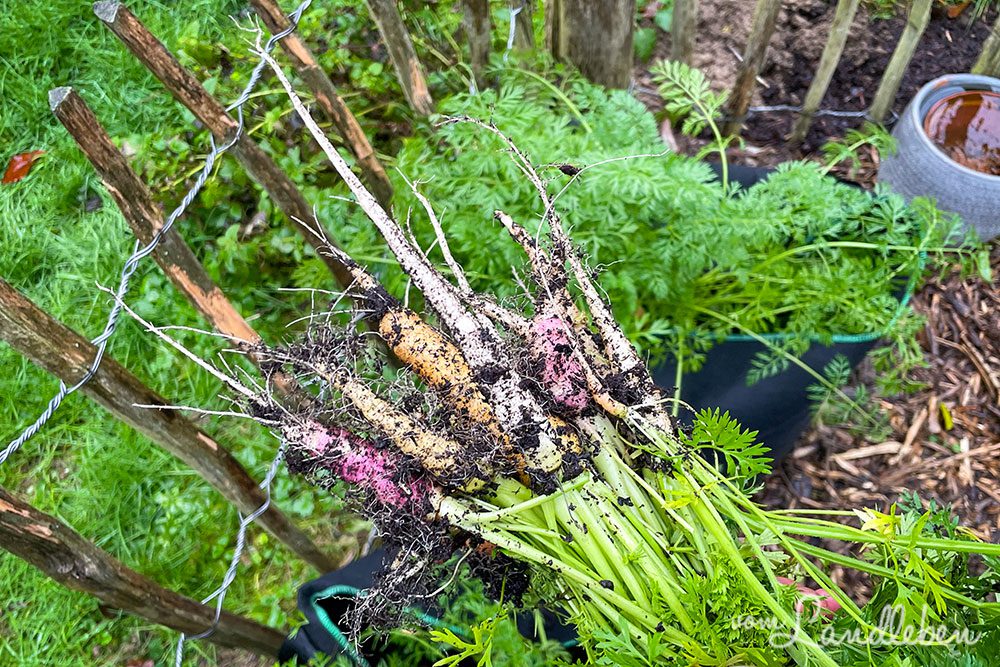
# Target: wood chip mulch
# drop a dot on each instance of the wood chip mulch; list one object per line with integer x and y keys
{"x": 955, "y": 464}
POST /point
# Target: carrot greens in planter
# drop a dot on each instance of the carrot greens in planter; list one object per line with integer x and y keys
{"x": 528, "y": 441}
{"x": 686, "y": 260}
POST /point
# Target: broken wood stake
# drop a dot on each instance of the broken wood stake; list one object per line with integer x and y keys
{"x": 62, "y": 352}
{"x": 404, "y": 59}
{"x": 596, "y": 37}
{"x": 187, "y": 90}
{"x": 764, "y": 16}
{"x": 70, "y": 559}
{"x": 329, "y": 100}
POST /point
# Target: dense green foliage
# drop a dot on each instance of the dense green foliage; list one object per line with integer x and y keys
{"x": 686, "y": 260}
{"x": 117, "y": 488}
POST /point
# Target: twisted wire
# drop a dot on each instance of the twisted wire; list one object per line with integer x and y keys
{"x": 140, "y": 253}
{"x": 219, "y": 594}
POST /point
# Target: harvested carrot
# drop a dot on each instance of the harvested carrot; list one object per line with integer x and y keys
{"x": 439, "y": 363}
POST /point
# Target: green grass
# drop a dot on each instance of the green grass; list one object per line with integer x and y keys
{"x": 98, "y": 475}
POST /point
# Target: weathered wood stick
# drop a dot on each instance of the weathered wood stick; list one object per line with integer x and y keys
{"x": 916, "y": 22}
{"x": 683, "y": 30}
{"x": 328, "y": 100}
{"x": 596, "y": 37}
{"x": 988, "y": 62}
{"x": 67, "y": 557}
{"x": 67, "y": 355}
{"x": 476, "y": 22}
{"x": 187, "y": 90}
{"x": 404, "y": 59}
{"x": 764, "y": 16}
{"x": 834, "y": 49}
{"x": 145, "y": 218}
{"x": 524, "y": 29}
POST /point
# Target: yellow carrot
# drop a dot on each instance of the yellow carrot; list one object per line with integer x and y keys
{"x": 440, "y": 364}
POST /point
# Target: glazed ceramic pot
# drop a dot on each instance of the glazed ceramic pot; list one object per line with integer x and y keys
{"x": 921, "y": 167}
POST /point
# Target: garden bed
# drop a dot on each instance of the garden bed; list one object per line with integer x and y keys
{"x": 947, "y": 46}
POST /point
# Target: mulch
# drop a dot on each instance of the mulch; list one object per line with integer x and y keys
{"x": 956, "y": 463}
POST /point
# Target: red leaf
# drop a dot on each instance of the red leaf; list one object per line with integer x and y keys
{"x": 20, "y": 165}
{"x": 955, "y": 10}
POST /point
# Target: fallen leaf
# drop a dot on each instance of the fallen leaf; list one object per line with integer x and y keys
{"x": 954, "y": 11}
{"x": 20, "y": 165}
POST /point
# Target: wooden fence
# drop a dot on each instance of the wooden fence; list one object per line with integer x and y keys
{"x": 46, "y": 542}
{"x": 918, "y": 14}
{"x": 69, "y": 557}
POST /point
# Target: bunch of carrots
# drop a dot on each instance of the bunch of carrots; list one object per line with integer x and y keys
{"x": 536, "y": 436}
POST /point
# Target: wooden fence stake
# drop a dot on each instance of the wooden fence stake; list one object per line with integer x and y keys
{"x": 65, "y": 354}
{"x": 328, "y": 100}
{"x": 476, "y": 22}
{"x": 834, "y": 49}
{"x": 595, "y": 36}
{"x": 524, "y": 29}
{"x": 683, "y": 30}
{"x": 64, "y": 555}
{"x": 988, "y": 62}
{"x": 916, "y": 22}
{"x": 187, "y": 90}
{"x": 404, "y": 58}
{"x": 144, "y": 217}
{"x": 765, "y": 14}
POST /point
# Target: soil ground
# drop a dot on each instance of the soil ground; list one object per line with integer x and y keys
{"x": 947, "y": 46}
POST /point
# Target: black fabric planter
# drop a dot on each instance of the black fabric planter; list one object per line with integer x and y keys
{"x": 777, "y": 407}
{"x": 328, "y": 602}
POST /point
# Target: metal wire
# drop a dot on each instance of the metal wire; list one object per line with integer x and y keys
{"x": 140, "y": 253}
{"x": 219, "y": 594}
{"x": 834, "y": 113}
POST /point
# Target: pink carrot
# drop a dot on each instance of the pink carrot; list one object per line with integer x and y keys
{"x": 357, "y": 461}
{"x": 562, "y": 374}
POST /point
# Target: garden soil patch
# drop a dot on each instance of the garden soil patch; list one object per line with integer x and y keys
{"x": 947, "y": 46}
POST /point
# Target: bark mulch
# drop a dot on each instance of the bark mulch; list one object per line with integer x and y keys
{"x": 957, "y": 463}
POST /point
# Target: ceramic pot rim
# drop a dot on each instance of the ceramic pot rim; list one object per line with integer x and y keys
{"x": 937, "y": 89}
